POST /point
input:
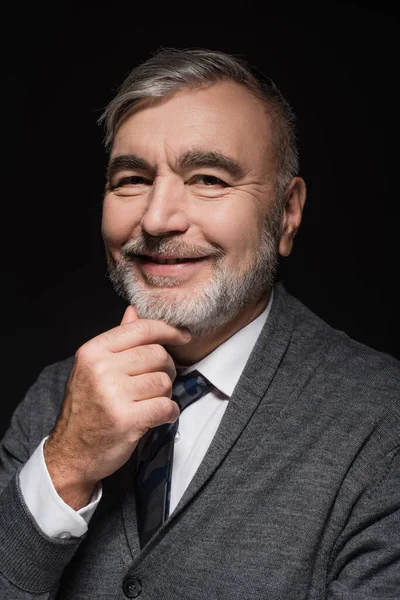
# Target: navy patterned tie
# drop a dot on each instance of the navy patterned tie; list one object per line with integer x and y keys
{"x": 155, "y": 454}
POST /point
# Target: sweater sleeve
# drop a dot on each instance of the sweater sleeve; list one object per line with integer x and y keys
{"x": 366, "y": 559}
{"x": 31, "y": 563}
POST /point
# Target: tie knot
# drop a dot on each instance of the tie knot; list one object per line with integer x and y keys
{"x": 188, "y": 388}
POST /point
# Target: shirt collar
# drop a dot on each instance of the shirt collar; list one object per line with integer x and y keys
{"x": 225, "y": 364}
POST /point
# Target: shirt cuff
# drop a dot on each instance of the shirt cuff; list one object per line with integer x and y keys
{"x": 52, "y": 515}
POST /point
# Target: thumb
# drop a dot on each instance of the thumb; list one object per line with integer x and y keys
{"x": 130, "y": 315}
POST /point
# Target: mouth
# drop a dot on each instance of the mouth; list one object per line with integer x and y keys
{"x": 166, "y": 260}
{"x": 170, "y": 266}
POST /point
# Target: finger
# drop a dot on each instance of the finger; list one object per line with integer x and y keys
{"x": 144, "y": 359}
{"x": 156, "y": 411}
{"x": 139, "y": 333}
{"x": 130, "y": 315}
{"x": 148, "y": 385}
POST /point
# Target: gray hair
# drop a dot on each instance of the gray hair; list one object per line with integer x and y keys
{"x": 171, "y": 70}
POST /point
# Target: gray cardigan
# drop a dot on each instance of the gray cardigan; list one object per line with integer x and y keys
{"x": 298, "y": 496}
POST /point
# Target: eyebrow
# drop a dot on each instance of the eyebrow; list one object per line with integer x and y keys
{"x": 210, "y": 158}
{"x": 127, "y": 162}
{"x": 187, "y": 160}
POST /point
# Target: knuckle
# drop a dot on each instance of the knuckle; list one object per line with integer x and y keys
{"x": 162, "y": 410}
{"x": 170, "y": 409}
{"x": 163, "y": 405}
{"x": 83, "y": 353}
{"x": 153, "y": 385}
{"x": 98, "y": 368}
{"x": 159, "y": 353}
{"x": 88, "y": 354}
{"x": 163, "y": 381}
{"x": 111, "y": 386}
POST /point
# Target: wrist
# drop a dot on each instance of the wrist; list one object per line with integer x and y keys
{"x": 68, "y": 478}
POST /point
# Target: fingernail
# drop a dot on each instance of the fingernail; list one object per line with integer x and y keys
{"x": 186, "y": 333}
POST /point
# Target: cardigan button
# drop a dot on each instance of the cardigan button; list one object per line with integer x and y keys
{"x": 132, "y": 587}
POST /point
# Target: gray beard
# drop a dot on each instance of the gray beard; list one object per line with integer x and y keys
{"x": 209, "y": 307}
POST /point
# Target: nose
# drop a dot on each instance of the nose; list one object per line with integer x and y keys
{"x": 166, "y": 210}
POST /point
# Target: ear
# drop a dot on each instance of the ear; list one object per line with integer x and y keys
{"x": 292, "y": 213}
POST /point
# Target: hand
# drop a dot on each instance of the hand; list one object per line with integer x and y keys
{"x": 119, "y": 387}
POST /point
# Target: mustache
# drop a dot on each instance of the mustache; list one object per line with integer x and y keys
{"x": 145, "y": 244}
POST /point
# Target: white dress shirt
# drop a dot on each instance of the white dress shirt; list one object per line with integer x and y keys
{"x": 198, "y": 424}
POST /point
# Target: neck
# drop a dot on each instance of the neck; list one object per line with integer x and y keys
{"x": 201, "y": 346}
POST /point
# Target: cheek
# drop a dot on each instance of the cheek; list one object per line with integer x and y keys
{"x": 237, "y": 232}
{"x": 118, "y": 223}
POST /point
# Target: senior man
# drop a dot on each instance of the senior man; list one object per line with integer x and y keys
{"x": 222, "y": 441}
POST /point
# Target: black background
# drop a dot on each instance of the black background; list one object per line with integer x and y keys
{"x": 338, "y": 68}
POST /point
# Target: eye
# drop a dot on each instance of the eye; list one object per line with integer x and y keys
{"x": 130, "y": 180}
{"x": 209, "y": 181}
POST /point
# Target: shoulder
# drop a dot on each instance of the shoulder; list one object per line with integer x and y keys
{"x": 340, "y": 351}
{"x": 359, "y": 378}
{"x": 340, "y": 354}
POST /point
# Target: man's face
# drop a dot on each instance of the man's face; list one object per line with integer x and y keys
{"x": 190, "y": 221}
